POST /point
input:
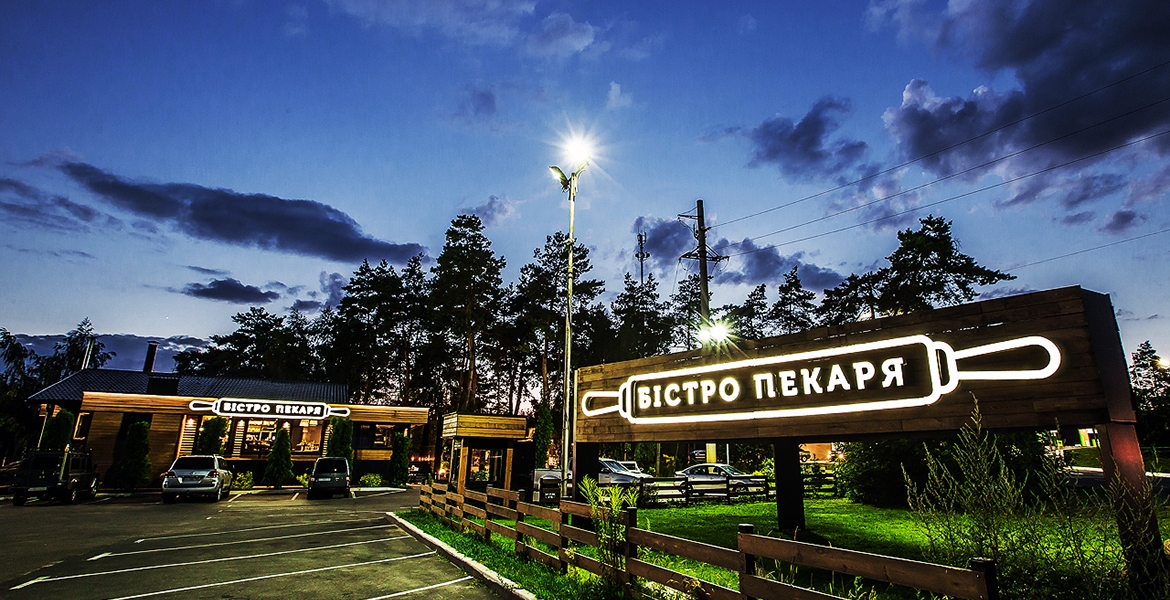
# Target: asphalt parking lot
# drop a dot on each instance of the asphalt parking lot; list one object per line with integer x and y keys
{"x": 250, "y": 546}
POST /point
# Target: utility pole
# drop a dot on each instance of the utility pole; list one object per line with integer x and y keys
{"x": 702, "y": 254}
{"x": 642, "y": 255}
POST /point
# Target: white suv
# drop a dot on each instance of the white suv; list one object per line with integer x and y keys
{"x": 205, "y": 475}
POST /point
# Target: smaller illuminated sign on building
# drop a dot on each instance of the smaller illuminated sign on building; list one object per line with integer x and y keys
{"x": 898, "y": 373}
{"x": 275, "y": 409}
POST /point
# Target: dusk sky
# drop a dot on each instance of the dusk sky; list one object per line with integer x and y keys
{"x": 164, "y": 166}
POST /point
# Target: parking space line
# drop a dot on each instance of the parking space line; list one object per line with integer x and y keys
{"x": 294, "y": 496}
{"x": 421, "y": 589}
{"x": 46, "y": 579}
{"x": 273, "y": 576}
{"x": 214, "y": 544}
{"x": 281, "y": 526}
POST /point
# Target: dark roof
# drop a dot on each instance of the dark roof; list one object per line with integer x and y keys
{"x": 115, "y": 381}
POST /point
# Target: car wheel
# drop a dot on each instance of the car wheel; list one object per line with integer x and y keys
{"x": 69, "y": 496}
{"x": 224, "y": 493}
{"x": 91, "y": 493}
{"x": 19, "y": 499}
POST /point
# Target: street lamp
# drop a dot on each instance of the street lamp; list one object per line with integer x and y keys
{"x": 715, "y": 333}
{"x": 579, "y": 152}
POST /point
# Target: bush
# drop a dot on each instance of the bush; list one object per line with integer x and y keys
{"x": 340, "y": 438}
{"x": 370, "y": 480}
{"x": 210, "y": 440}
{"x": 400, "y": 460}
{"x": 872, "y": 472}
{"x": 58, "y": 431}
{"x": 132, "y": 468}
{"x": 242, "y": 481}
{"x": 279, "y": 469}
{"x": 303, "y": 480}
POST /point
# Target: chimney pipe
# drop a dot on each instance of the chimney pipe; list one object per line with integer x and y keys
{"x": 151, "y": 350}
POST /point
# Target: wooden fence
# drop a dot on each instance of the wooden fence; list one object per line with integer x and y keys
{"x": 569, "y": 524}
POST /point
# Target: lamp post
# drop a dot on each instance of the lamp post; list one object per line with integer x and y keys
{"x": 569, "y": 184}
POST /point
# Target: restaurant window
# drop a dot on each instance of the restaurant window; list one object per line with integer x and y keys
{"x": 259, "y": 435}
{"x": 81, "y": 431}
{"x": 306, "y": 436}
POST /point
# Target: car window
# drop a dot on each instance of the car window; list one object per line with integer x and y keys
{"x": 194, "y": 463}
{"x": 733, "y": 471}
{"x": 330, "y": 466}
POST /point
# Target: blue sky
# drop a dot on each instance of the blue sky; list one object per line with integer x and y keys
{"x": 164, "y": 166}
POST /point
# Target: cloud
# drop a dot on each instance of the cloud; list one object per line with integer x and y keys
{"x": 296, "y": 21}
{"x": 803, "y": 150}
{"x": 211, "y": 272}
{"x": 1121, "y": 222}
{"x": 303, "y": 227}
{"x": 23, "y": 205}
{"x": 746, "y": 25}
{"x": 615, "y": 99}
{"x": 333, "y": 287}
{"x": 493, "y": 22}
{"x": 767, "y": 265}
{"x": 1004, "y": 292}
{"x": 497, "y": 210}
{"x": 666, "y": 240}
{"x": 561, "y": 37}
{"x": 306, "y": 306}
{"x": 1056, "y": 51}
{"x": 1080, "y": 218}
{"x": 129, "y": 350}
{"x": 478, "y": 104}
{"x": 228, "y": 290}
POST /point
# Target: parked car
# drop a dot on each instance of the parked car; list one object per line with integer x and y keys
{"x": 613, "y": 472}
{"x": 630, "y": 465}
{"x": 62, "y": 474}
{"x": 330, "y": 475}
{"x": 710, "y": 477}
{"x": 197, "y": 475}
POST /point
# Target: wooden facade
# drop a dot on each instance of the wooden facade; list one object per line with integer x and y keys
{"x": 1090, "y": 386}
{"x": 484, "y": 426}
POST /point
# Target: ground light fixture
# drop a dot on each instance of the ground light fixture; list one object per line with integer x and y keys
{"x": 579, "y": 151}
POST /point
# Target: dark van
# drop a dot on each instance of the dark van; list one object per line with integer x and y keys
{"x": 60, "y": 474}
{"x": 330, "y": 475}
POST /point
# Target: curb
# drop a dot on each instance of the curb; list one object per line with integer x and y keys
{"x": 503, "y": 586}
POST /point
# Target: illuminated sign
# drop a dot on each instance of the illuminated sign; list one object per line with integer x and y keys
{"x": 275, "y": 409}
{"x": 898, "y": 373}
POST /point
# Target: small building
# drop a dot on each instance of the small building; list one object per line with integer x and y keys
{"x": 487, "y": 450}
{"x": 108, "y": 401}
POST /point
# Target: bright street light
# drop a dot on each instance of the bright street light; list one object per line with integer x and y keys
{"x": 714, "y": 333}
{"x": 580, "y": 153}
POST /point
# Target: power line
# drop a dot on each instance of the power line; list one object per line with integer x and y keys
{"x": 958, "y": 196}
{"x": 957, "y": 174}
{"x": 1137, "y": 237}
{"x": 948, "y": 148}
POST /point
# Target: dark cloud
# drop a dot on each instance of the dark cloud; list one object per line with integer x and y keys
{"x": 1056, "y": 51}
{"x": 803, "y": 150}
{"x": 229, "y": 290}
{"x": 1005, "y": 291}
{"x": 479, "y": 103}
{"x": 333, "y": 287}
{"x": 24, "y": 205}
{"x": 666, "y": 241}
{"x": 1087, "y": 188}
{"x": 766, "y": 265}
{"x": 496, "y": 210}
{"x": 1078, "y": 218}
{"x": 1122, "y": 221}
{"x": 211, "y": 272}
{"x": 129, "y": 350}
{"x": 1128, "y": 315}
{"x": 307, "y": 306}
{"x": 882, "y": 202}
{"x": 560, "y": 36}
{"x": 302, "y": 227}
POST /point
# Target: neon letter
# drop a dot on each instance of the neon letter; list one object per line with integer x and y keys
{"x": 788, "y": 383}
{"x": 893, "y": 370}
{"x": 690, "y": 387}
{"x": 671, "y": 394}
{"x": 727, "y": 394}
{"x": 760, "y": 379}
{"x": 643, "y": 397}
{"x": 837, "y": 378}
{"x": 810, "y": 380}
{"x": 657, "y": 396}
{"x": 864, "y": 372}
{"x": 708, "y": 386}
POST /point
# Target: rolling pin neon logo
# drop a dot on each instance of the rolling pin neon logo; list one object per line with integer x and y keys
{"x": 242, "y": 407}
{"x": 899, "y": 373}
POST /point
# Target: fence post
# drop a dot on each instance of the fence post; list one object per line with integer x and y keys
{"x": 987, "y": 567}
{"x": 748, "y": 564}
{"x": 629, "y": 550}
{"x": 519, "y": 536}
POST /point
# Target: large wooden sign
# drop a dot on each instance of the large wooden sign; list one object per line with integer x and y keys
{"x": 1032, "y": 360}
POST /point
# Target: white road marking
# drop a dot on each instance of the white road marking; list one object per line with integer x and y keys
{"x": 421, "y": 589}
{"x": 281, "y": 526}
{"x": 234, "y": 498}
{"x": 46, "y": 579}
{"x": 253, "y": 541}
{"x": 294, "y": 496}
{"x": 273, "y": 576}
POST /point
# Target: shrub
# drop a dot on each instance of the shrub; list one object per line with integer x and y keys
{"x": 279, "y": 469}
{"x": 340, "y": 438}
{"x": 303, "y": 479}
{"x": 210, "y": 440}
{"x": 400, "y": 460}
{"x": 543, "y": 433}
{"x": 132, "y": 468}
{"x": 370, "y": 480}
{"x": 242, "y": 481}
{"x": 58, "y": 431}
{"x": 606, "y": 511}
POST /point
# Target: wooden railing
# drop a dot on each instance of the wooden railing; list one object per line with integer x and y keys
{"x": 569, "y": 524}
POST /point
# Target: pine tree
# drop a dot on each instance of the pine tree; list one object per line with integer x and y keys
{"x": 794, "y": 308}
{"x": 340, "y": 438}
{"x": 132, "y": 468}
{"x": 58, "y": 431}
{"x": 750, "y": 319}
{"x": 279, "y": 468}
{"x": 643, "y": 323}
{"x": 210, "y": 440}
{"x": 1150, "y": 381}
{"x": 400, "y": 460}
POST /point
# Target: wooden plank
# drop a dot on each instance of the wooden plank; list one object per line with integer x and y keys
{"x": 456, "y": 512}
{"x": 939, "y": 579}
{"x": 439, "y": 487}
{"x": 582, "y": 536}
{"x": 576, "y": 508}
{"x": 475, "y": 496}
{"x": 535, "y": 510}
{"x": 503, "y": 494}
{"x": 476, "y": 527}
{"x": 425, "y": 500}
{"x": 474, "y": 511}
{"x": 372, "y": 413}
{"x": 582, "y": 562}
{"x": 500, "y": 528}
{"x": 553, "y": 562}
{"x": 457, "y": 498}
{"x": 437, "y": 510}
{"x": 679, "y": 581}
{"x": 543, "y": 535}
{"x": 714, "y": 555}
{"x": 425, "y": 489}
{"x": 758, "y": 587}
{"x": 501, "y": 511}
